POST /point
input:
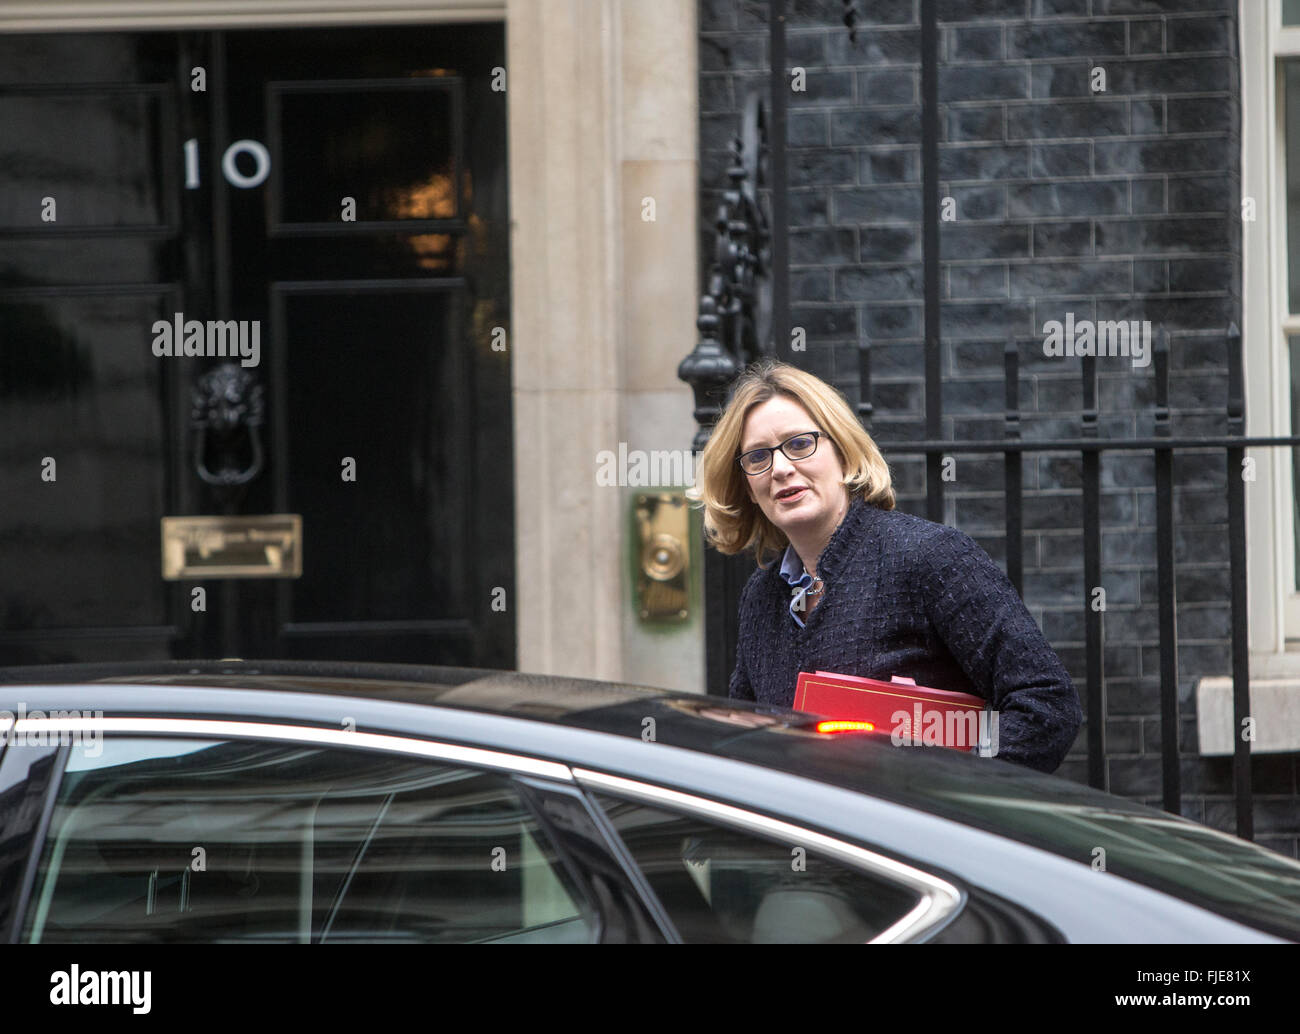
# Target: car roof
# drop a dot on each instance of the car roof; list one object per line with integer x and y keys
{"x": 715, "y": 725}
{"x": 505, "y": 692}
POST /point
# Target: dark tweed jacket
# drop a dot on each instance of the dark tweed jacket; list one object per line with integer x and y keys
{"x": 905, "y": 596}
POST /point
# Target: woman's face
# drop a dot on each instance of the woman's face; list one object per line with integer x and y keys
{"x": 804, "y": 495}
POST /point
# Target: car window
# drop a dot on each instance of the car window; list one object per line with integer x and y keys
{"x": 719, "y": 884}
{"x": 244, "y": 840}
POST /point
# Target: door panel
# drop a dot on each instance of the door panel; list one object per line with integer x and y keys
{"x": 391, "y": 144}
{"x": 416, "y": 546}
{"x": 89, "y": 216}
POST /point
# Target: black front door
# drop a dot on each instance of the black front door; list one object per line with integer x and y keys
{"x": 335, "y": 201}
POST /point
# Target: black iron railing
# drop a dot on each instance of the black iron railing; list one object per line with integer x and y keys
{"x": 1162, "y": 445}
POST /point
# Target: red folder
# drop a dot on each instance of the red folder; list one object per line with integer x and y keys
{"x": 909, "y": 713}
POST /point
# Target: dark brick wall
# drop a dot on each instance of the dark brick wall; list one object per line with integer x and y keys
{"x": 1114, "y": 205}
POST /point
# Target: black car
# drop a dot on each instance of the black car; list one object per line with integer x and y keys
{"x": 321, "y": 803}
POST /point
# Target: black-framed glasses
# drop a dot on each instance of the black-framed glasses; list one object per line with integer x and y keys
{"x": 796, "y": 447}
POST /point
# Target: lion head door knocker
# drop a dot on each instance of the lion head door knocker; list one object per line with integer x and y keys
{"x": 227, "y": 412}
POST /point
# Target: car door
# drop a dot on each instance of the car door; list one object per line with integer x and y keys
{"x": 162, "y": 837}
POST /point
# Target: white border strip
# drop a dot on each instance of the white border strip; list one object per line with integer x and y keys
{"x": 304, "y": 734}
{"x": 938, "y": 897}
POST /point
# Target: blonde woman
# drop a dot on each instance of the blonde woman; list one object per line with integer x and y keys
{"x": 846, "y": 583}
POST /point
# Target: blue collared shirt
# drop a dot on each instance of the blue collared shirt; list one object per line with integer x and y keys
{"x": 792, "y": 570}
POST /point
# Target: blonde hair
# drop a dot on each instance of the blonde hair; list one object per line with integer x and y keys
{"x": 733, "y": 522}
